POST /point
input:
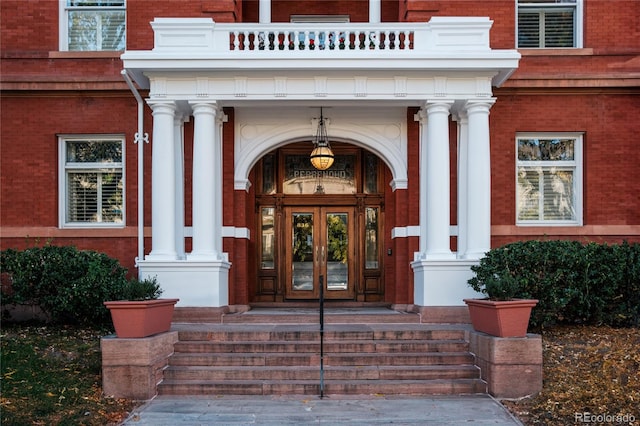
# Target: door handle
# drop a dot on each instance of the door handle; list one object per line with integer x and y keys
{"x": 323, "y": 258}
{"x": 316, "y": 256}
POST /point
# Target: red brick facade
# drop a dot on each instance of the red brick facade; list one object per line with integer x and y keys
{"x": 594, "y": 90}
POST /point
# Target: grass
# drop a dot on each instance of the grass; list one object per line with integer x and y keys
{"x": 52, "y": 376}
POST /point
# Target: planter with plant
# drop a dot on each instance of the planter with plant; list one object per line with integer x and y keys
{"x": 506, "y": 310}
{"x": 139, "y": 312}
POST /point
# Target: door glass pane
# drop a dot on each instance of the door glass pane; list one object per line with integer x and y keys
{"x": 371, "y": 238}
{"x": 302, "y": 251}
{"x": 337, "y": 251}
{"x": 268, "y": 238}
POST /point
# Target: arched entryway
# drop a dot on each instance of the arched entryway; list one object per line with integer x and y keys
{"x": 318, "y": 226}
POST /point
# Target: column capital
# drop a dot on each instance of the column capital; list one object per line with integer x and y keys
{"x": 438, "y": 106}
{"x": 478, "y": 105}
{"x": 157, "y": 104}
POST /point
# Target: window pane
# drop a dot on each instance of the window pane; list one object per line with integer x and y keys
{"x": 528, "y": 194}
{"x": 82, "y": 193}
{"x": 337, "y": 251}
{"x": 558, "y": 28}
{"x": 96, "y": 30}
{"x": 371, "y": 238}
{"x": 269, "y": 174}
{"x": 302, "y": 178}
{"x": 370, "y": 174}
{"x": 94, "y": 197}
{"x": 268, "y": 238}
{"x": 94, "y": 151}
{"x": 546, "y": 149}
{"x": 558, "y": 195}
{"x": 111, "y": 197}
{"x": 528, "y": 29}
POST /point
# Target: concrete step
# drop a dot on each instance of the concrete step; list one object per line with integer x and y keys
{"x": 263, "y": 332}
{"x": 424, "y": 372}
{"x": 331, "y": 387}
{"x": 281, "y": 358}
{"x": 330, "y": 346}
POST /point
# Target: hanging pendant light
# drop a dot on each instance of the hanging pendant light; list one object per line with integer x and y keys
{"x": 322, "y": 156}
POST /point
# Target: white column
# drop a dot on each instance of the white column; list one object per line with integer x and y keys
{"x": 374, "y": 12}
{"x": 463, "y": 159}
{"x": 205, "y": 184}
{"x": 479, "y": 179}
{"x": 163, "y": 184}
{"x": 265, "y": 11}
{"x": 435, "y": 165}
{"x": 178, "y": 128}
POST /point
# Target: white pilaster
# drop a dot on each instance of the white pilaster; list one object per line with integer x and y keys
{"x": 434, "y": 164}
{"x": 374, "y": 12}
{"x": 178, "y": 127}
{"x": 221, "y": 118}
{"x": 463, "y": 164}
{"x": 163, "y": 184}
{"x": 479, "y": 179}
{"x": 205, "y": 184}
{"x": 265, "y": 11}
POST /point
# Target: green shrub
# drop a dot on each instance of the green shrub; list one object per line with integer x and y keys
{"x": 574, "y": 283}
{"x": 68, "y": 284}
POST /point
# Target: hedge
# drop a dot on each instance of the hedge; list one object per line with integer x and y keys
{"x": 573, "y": 282}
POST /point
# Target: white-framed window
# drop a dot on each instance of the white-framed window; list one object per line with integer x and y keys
{"x": 549, "y": 179}
{"x": 92, "y": 181}
{"x": 92, "y": 25}
{"x": 549, "y": 24}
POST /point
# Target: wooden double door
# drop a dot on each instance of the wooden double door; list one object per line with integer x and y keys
{"x": 320, "y": 250}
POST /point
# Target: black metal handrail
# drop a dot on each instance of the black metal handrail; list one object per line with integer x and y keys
{"x": 321, "y": 336}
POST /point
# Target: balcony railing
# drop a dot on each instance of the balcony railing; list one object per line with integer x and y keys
{"x": 292, "y": 37}
{"x": 207, "y": 37}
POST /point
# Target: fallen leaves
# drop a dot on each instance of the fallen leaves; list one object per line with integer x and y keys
{"x": 593, "y": 370}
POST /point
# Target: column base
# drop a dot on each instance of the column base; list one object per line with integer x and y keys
{"x": 195, "y": 283}
{"x": 442, "y": 282}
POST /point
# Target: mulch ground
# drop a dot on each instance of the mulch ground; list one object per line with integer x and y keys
{"x": 591, "y": 375}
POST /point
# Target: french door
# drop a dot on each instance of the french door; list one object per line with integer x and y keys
{"x": 319, "y": 243}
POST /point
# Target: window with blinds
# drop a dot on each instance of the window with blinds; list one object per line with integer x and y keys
{"x": 95, "y": 25}
{"x": 93, "y": 192}
{"x": 549, "y": 180}
{"x": 547, "y": 24}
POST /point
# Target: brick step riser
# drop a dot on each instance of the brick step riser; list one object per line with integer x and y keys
{"x": 314, "y": 347}
{"x": 264, "y": 336}
{"x": 274, "y": 360}
{"x": 314, "y": 319}
{"x": 313, "y": 373}
{"x": 426, "y": 387}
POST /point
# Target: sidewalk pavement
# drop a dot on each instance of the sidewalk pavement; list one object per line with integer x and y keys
{"x": 331, "y": 410}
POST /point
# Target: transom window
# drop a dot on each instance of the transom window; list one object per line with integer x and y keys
{"x": 92, "y": 181}
{"x": 549, "y": 23}
{"x": 92, "y": 25}
{"x": 549, "y": 179}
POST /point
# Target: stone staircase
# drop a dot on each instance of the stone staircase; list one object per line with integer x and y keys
{"x": 263, "y": 354}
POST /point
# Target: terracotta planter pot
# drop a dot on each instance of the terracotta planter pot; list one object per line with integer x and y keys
{"x": 501, "y": 318}
{"x": 134, "y": 319}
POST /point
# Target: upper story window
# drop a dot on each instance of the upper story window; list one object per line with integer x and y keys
{"x": 91, "y": 192}
{"x": 549, "y": 179}
{"x": 92, "y": 25}
{"x": 549, "y": 23}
